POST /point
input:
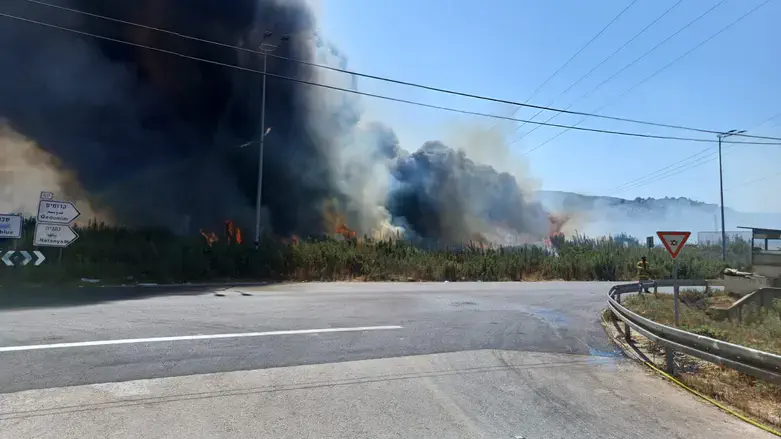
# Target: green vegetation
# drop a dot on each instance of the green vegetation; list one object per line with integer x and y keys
{"x": 119, "y": 255}
{"x": 760, "y": 329}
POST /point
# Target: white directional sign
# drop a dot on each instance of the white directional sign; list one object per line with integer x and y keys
{"x": 673, "y": 241}
{"x": 7, "y": 258}
{"x": 54, "y": 235}
{"x": 58, "y": 212}
{"x": 11, "y": 226}
{"x": 26, "y": 258}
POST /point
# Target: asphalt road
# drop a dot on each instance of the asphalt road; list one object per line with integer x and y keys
{"x": 338, "y": 360}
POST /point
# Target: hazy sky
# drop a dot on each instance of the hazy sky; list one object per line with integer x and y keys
{"x": 508, "y": 48}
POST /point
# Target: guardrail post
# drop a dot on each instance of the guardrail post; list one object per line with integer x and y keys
{"x": 627, "y": 333}
{"x": 670, "y": 356}
{"x": 656, "y": 287}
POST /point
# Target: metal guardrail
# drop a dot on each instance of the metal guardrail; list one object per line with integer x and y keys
{"x": 750, "y": 361}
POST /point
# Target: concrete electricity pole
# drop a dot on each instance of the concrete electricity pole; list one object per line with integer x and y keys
{"x": 266, "y": 48}
{"x": 721, "y": 191}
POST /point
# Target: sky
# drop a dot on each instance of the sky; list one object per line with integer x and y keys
{"x": 507, "y": 49}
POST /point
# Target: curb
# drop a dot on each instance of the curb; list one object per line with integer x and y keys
{"x": 197, "y": 285}
{"x": 627, "y": 352}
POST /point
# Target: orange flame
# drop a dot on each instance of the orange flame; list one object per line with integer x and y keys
{"x": 229, "y": 229}
{"x": 210, "y": 238}
{"x": 335, "y": 221}
{"x": 556, "y": 223}
{"x": 232, "y": 233}
{"x": 345, "y": 231}
{"x": 293, "y": 240}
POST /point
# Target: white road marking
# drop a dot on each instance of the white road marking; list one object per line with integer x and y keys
{"x": 82, "y": 344}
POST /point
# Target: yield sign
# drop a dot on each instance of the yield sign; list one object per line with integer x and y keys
{"x": 673, "y": 241}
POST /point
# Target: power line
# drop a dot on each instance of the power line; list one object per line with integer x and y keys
{"x": 768, "y": 120}
{"x": 621, "y": 187}
{"x": 757, "y": 180}
{"x": 673, "y": 172}
{"x": 380, "y": 78}
{"x": 665, "y": 67}
{"x": 633, "y": 62}
{"x": 608, "y": 58}
{"x": 645, "y": 180}
{"x": 682, "y": 168}
{"x": 356, "y": 92}
{"x": 534, "y": 93}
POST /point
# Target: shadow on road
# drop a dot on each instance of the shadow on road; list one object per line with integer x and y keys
{"x": 44, "y": 297}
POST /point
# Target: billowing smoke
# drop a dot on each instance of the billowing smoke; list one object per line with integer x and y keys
{"x": 156, "y": 139}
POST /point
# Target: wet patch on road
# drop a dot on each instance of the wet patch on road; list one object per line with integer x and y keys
{"x": 594, "y": 352}
{"x": 463, "y": 303}
{"x": 551, "y": 316}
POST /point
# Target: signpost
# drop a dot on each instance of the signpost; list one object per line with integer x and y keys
{"x": 673, "y": 242}
{"x": 57, "y": 212}
{"x": 11, "y": 226}
{"x": 54, "y": 235}
{"x": 51, "y": 228}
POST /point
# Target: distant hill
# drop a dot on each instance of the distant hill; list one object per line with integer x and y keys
{"x": 600, "y": 215}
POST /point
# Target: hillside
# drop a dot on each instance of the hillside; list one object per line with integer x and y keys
{"x": 600, "y": 215}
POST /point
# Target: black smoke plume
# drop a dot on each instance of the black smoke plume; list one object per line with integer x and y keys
{"x": 156, "y": 139}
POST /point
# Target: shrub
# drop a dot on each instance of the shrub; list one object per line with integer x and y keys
{"x": 116, "y": 254}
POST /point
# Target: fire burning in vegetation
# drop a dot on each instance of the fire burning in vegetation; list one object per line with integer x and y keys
{"x": 210, "y": 237}
{"x": 336, "y": 222}
{"x": 177, "y": 148}
{"x": 232, "y": 235}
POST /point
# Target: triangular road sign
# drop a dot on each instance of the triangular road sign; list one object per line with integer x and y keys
{"x": 673, "y": 241}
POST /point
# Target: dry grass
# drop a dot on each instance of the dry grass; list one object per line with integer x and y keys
{"x": 762, "y": 330}
{"x": 757, "y": 398}
{"x": 752, "y": 397}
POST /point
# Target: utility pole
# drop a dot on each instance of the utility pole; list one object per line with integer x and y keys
{"x": 266, "y": 48}
{"x": 721, "y": 192}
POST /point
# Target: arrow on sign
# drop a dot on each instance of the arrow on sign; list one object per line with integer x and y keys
{"x": 7, "y": 258}
{"x": 27, "y": 257}
{"x": 57, "y": 212}
{"x": 40, "y": 257}
{"x": 673, "y": 241}
{"x": 54, "y": 235}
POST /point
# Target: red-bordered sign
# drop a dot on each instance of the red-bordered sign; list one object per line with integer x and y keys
{"x": 673, "y": 241}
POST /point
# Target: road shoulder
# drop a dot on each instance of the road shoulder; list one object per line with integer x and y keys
{"x": 716, "y": 384}
{"x": 486, "y": 393}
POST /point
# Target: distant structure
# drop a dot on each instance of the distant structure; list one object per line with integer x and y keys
{"x": 765, "y": 258}
{"x": 714, "y": 238}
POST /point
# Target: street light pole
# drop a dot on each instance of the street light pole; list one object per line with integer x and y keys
{"x": 266, "y": 48}
{"x": 721, "y": 192}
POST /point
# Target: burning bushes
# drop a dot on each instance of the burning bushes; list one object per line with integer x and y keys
{"x": 119, "y": 255}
